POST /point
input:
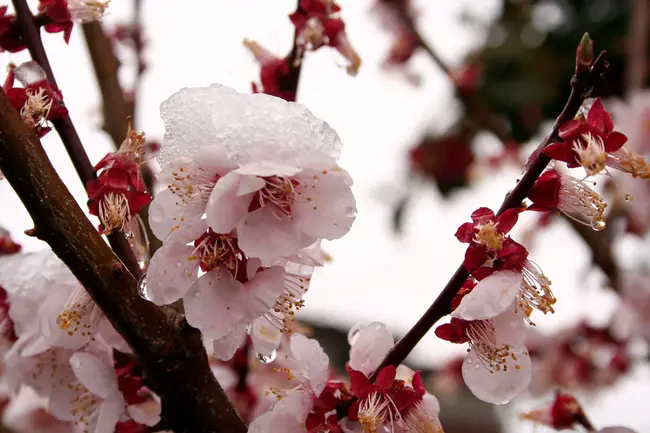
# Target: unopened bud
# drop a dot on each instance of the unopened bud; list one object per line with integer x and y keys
{"x": 584, "y": 54}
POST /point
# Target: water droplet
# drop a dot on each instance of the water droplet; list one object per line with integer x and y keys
{"x": 142, "y": 287}
{"x": 248, "y": 328}
{"x": 353, "y": 334}
{"x": 628, "y": 198}
{"x": 476, "y": 367}
{"x": 598, "y": 225}
{"x": 129, "y": 235}
{"x": 470, "y": 361}
{"x": 266, "y": 359}
{"x": 179, "y": 264}
{"x": 351, "y": 211}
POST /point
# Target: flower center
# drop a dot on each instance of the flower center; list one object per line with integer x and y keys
{"x": 87, "y": 10}
{"x": 217, "y": 250}
{"x": 488, "y": 236}
{"x": 591, "y": 155}
{"x": 372, "y": 412}
{"x": 194, "y": 186}
{"x": 279, "y": 191}
{"x": 114, "y": 212}
{"x": 482, "y": 340}
{"x": 36, "y": 108}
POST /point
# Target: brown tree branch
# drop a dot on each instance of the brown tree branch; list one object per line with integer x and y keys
{"x": 65, "y": 128}
{"x": 583, "y": 85}
{"x": 637, "y": 45}
{"x": 170, "y": 351}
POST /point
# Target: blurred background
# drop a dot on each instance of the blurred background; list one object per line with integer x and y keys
{"x": 425, "y": 148}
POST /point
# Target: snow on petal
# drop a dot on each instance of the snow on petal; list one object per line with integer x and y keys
{"x": 369, "y": 345}
{"x": 491, "y": 296}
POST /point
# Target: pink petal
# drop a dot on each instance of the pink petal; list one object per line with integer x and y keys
{"x": 498, "y": 387}
{"x": 171, "y": 220}
{"x": 287, "y": 415}
{"x": 109, "y": 413}
{"x": 599, "y": 118}
{"x": 263, "y": 235}
{"x": 614, "y": 141}
{"x": 230, "y": 199}
{"x": 368, "y": 346}
{"x": 266, "y": 333}
{"x": 225, "y": 347}
{"x": 262, "y": 291}
{"x": 510, "y": 327}
{"x": 475, "y": 256}
{"x": 465, "y": 232}
{"x": 491, "y": 296}
{"x": 615, "y": 430}
{"x": 482, "y": 215}
{"x": 170, "y": 273}
{"x": 311, "y": 361}
{"x": 94, "y": 373}
{"x": 215, "y": 304}
{"x": 325, "y": 206}
{"x": 560, "y": 151}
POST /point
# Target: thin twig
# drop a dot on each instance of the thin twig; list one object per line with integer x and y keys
{"x": 170, "y": 351}
{"x": 582, "y": 86}
{"x": 65, "y": 128}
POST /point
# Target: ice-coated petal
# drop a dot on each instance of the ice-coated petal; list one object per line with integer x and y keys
{"x": 216, "y": 304}
{"x": 311, "y": 360}
{"x": 263, "y": 290}
{"x": 368, "y": 346}
{"x": 491, "y": 296}
{"x": 225, "y": 347}
{"x": 248, "y": 127}
{"x": 510, "y": 327}
{"x": 264, "y": 169}
{"x": 94, "y": 373}
{"x": 261, "y": 234}
{"x": 172, "y": 220}
{"x": 147, "y": 413}
{"x": 266, "y": 332}
{"x": 325, "y": 206}
{"x": 498, "y": 387}
{"x": 170, "y": 273}
{"x": 68, "y": 322}
{"x": 230, "y": 200}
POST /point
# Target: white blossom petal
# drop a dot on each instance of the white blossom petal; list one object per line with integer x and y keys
{"x": 310, "y": 360}
{"x": 172, "y": 220}
{"x": 368, "y": 346}
{"x": 491, "y": 296}
{"x": 230, "y": 199}
{"x": 94, "y": 373}
{"x": 498, "y": 387}
{"x": 224, "y": 348}
{"x": 109, "y": 414}
{"x": 170, "y": 273}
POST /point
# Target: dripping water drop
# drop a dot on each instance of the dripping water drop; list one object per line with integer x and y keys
{"x": 142, "y": 287}
{"x": 470, "y": 361}
{"x": 628, "y": 198}
{"x": 179, "y": 264}
{"x": 476, "y": 367}
{"x": 599, "y": 225}
{"x": 129, "y": 235}
{"x": 248, "y": 328}
{"x": 266, "y": 359}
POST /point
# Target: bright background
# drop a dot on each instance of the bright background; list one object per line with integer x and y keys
{"x": 374, "y": 275}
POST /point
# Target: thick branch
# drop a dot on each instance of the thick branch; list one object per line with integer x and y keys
{"x": 65, "y": 128}
{"x": 170, "y": 351}
{"x": 582, "y": 86}
{"x": 637, "y": 45}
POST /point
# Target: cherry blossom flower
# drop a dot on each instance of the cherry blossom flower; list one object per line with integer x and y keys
{"x": 497, "y": 367}
{"x": 592, "y": 143}
{"x": 119, "y": 192}
{"x": 571, "y": 196}
{"x": 275, "y": 73}
{"x": 318, "y": 24}
{"x": 38, "y": 101}
{"x": 485, "y": 234}
{"x": 369, "y": 344}
{"x": 561, "y": 414}
{"x": 633, "y": 119}
{"x": 274, "y": 180}
{"x": 62, "y": 13}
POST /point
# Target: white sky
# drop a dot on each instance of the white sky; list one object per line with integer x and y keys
{"x": 375, "y": 275}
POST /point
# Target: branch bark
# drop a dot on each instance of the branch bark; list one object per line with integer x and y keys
{"x": 170, "y": 351}
{"x": 582, "y": 86}
{"x": 637, "y": 45}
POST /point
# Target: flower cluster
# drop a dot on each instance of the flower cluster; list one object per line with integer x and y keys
{"x": 62, "y": 13}
{"x": 491, "y": 310}
{"x": 67, "y": 355}
{"x": 317, "y": 24}
{"x": 397, "y": 401}
{"x": 252, "y": 188}
{"x": 119, "y": 192}
{"x": 38, "y": 101}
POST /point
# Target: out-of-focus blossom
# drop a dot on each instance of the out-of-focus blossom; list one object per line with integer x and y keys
{"x": 63, "y": 13}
